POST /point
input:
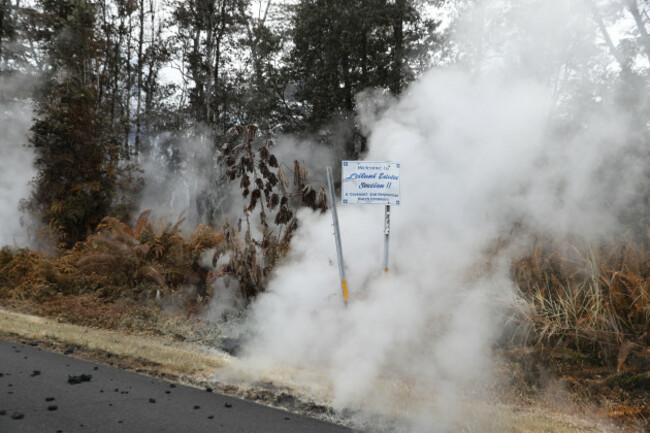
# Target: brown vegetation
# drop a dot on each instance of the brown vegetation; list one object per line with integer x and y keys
{"x": 148, "y": 262}
{"x": 267, "y": 190}
{"x": 582, "y": 313}
{"x": 586, "y": 297}
{"x": 118, "y": 261}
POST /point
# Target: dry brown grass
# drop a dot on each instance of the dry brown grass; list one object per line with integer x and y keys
{"x": 172, "y": 357}
{"x": 123, "y": 315}
{"x": 589, "y": 298}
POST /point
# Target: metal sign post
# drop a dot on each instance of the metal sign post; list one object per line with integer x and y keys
{"x": 372, "y": 182}
{"x": 386, "y": 236}
{"x": 337, "y": 234}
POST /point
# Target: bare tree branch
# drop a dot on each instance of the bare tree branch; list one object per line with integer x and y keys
{"x": 633, "y": 7}
{"x": 605, "y": 33}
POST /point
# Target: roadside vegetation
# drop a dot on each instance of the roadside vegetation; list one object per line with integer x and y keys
{"x": 253, "y": 71}
{"x": 582, "y": 311}
{"x": 123, "y": 275}
{"x": 591, "y": 298}
{"x": 582, "y": 314}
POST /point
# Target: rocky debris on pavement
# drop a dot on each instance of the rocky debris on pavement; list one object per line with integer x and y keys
{"x": 73, "y": 380}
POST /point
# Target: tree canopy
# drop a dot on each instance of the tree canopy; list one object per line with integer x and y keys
{"x": 118, "y": 77}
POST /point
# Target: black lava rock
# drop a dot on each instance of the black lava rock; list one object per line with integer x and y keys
{"x": 152, "y": 400}
{"x": 52, "y": 407}
{"x": 17, "y": 415}
{"x": 230, "y": 345}
{"x": 49, "y": 398}
{"x": 208, "y": 389}
{"x": 73, "y": 380}
{"x": 197, "y": 407}
{"x": 36, "y": 373}
{"x": 228, "y": 405}
{"x": 69, "y": 351}
{"x": 3, "y": 412}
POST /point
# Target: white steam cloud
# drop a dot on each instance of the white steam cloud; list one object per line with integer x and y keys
{"x": 483, "y": 145}
{"x": 178, "y": 171}
{"x": 183, "y": 175}
{"x": 16, "y": 170}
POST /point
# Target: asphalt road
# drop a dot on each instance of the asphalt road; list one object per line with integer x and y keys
{"x": 36, "y": 396}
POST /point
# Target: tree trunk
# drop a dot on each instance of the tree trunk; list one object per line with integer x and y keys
{"x": 608, "y": 40}
{"x": 4, "y": 11}
{"x": 633, "y": 7}
{"x": 195, "y": 69}
{"x": 129, "y": 86}
{"x": 140, "y": 72}
{"x": 116, "y": 70}
{"x": 217, "y": 59}
{"x": 107, "y": 54}
{"x": 151, "y": 73}
{"x": 398, "y": 49}
{"x": 209, "y": 48}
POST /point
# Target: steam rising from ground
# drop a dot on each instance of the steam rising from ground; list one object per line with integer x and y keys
{"x": 483, "y": 145}
{"x": 16, "y": 169}
{"x": 183, "y": 175}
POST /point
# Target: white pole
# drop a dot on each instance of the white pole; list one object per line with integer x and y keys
{"x": 337, "y": 234}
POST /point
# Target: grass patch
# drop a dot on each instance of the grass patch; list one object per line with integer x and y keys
{"x": 584, "y": 297}
{"x": 172, "y": 357}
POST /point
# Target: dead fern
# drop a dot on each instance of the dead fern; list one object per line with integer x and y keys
{"x": 271, "y": 202}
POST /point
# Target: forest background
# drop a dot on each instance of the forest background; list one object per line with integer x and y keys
{"x": 124, "y": 97}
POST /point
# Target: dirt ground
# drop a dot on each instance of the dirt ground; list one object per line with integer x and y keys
{"x": 530, "y": 395}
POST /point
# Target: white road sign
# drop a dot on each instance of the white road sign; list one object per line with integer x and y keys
{"x": 370, "y": 182}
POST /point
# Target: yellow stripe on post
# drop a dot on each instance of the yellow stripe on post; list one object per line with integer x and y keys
{"x": 344, "y": 285}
